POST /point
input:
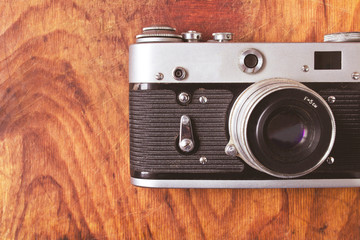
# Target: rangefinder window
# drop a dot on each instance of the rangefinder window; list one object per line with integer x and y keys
{"x": 328, "y": 60}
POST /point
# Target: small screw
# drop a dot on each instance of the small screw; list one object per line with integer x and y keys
{"x": 331, "y": 99}
{"x": 305, "y": 68}
{"x": 203, "y": 99}
{"x": 186, "y": 145}
{"x": 330, "y": 160}
{"x": 230, "y": 150}
{"x": 159, "y": 76}
{"x": 355, "y": 75}
{"x": 184, "y": 97}
{"x": 203, "y": 160}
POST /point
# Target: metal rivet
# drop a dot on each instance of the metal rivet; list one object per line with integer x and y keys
{"x": 330, "y": 160}
{"x": 355, "y": 75}
{"x": 184, "y": 97}
{"x": 185, "y": 120}
{"x": 203, "y": 160}
{"x": 159, "y": 76}
{"x": 203, "y": 99}
{"x": 331, "y": 99}
{"x": 230, "y": 150}
{"x": 305, "y": 68}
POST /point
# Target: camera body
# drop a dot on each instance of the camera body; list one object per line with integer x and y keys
{"x": 217, "y": 114}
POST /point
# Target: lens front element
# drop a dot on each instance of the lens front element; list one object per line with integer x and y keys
{"x": 285, "y": 130}
{"x": 282, "y": 128}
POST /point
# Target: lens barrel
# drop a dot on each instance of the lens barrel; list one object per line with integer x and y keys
{"x": 282, "y": 128}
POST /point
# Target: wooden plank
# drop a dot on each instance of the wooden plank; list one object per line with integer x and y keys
{"x": 64, "y": 141}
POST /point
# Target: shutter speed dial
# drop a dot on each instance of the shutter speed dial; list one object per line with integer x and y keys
{"x": 158, "y": 33}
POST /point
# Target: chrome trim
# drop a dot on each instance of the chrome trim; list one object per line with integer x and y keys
{"x": 289, "y": 183}
{"x": 219, "y": 62}
{"x": 242, "y": 109}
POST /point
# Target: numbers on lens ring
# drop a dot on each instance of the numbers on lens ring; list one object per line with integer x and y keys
{"x": 310, "y": 101}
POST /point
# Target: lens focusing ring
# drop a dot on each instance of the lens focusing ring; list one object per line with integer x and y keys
{"x": 242, "y": 110}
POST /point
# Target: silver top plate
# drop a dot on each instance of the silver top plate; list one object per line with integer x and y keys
{"x": 219, "y": 62}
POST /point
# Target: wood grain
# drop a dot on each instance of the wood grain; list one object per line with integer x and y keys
{"x": 64, "y": 137}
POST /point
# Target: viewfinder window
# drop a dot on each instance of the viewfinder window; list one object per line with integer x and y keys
{"x": 327, "y": 60}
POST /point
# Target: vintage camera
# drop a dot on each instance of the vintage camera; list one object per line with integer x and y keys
{"x": 217, "y": 114}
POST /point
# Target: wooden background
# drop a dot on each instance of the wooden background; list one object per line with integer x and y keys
{"x": 64, "y": 135}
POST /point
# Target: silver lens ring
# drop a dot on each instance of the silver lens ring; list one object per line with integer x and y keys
{"x": 244, "y": 106}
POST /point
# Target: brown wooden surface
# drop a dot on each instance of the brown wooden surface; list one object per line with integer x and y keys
{"x": 64, "y": 137}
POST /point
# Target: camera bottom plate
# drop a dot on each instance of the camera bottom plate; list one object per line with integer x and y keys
{"x": 281, "y": 183}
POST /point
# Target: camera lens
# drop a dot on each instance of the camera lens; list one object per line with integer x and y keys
{"x": 282, "y": 128}
{"x": 285, "y": 130}
{"x": 251, "y": 60}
